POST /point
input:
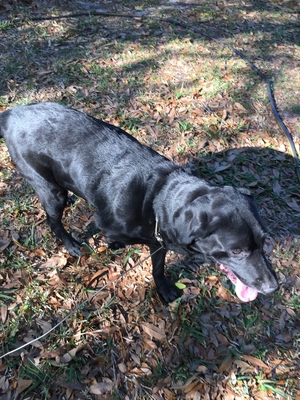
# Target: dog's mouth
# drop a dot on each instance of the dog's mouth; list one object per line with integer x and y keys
{"x": 243, "y": 292}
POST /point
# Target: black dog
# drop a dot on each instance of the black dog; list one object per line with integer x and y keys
{"x": 135, "y": 190}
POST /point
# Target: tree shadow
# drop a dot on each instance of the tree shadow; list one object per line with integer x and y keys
{"x": 34, "y": 51}
{"x": 268, "y": 173}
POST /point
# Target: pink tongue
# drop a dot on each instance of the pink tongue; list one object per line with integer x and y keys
{"x": 243, "y": 292}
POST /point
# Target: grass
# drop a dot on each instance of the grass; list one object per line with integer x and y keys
{"x": 195, "y": 102}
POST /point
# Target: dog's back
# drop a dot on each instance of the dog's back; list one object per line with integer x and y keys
{"x": 72, "y": 146}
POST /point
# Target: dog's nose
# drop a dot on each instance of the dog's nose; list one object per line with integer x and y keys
{"x": 269, "y": 289}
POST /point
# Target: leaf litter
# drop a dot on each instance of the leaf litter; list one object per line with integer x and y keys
{"x": 125, "y": 343}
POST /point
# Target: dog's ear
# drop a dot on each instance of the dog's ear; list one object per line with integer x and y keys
{"x": 253, "y": 206}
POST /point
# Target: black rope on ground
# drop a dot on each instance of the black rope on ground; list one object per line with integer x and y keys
{"x": 143, "y": 15}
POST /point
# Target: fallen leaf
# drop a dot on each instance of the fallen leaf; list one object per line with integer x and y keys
{"x": 202, "y": 369}
{"x": 4, "y": 384}
{"x": 101, "y": 388}
{"x": 122, "y": 367}
{"x": 239, "y": 106}
{"x": 277, "y": 188}
{"x": 45, "y": 325}
{"x": 4, "y": 244}
{"x": 4, "y": 313}
{"x": 66, "y": 358}
{"x": 180, "y": 285}
{"x": 55, "y": 261}
{"x": 23, "y": 384}
{"x": 242, "y": 365}
{"x": 256, "y": 361}
{"x": 96, "y": 275}
{"x": 172, "y": 115}
{"x": 223, "y": 339}
{"x": 39, "y": 252}
{"x": 222, "y": 168}
{"x": 226, "y": 364}
{"x": 294, "y": 205}
{"x": 153, "y": 331}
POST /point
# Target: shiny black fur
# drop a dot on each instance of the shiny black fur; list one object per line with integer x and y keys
{"x": 131, "y": 186}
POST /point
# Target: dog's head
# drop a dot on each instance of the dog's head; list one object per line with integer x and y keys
{"x": 222, "y": 225}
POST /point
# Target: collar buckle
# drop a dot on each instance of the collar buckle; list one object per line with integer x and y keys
{"x": 157, "y": 234}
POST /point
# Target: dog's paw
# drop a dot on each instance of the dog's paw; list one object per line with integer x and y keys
{"x": 115, "y": 245}
{"x": 169, "y": 292}
{"x": 73, "y": 248}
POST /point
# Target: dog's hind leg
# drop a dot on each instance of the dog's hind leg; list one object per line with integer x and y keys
{"x": 54, "y": 199}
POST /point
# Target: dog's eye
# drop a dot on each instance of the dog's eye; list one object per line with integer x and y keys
{"x": 236, "y": 251}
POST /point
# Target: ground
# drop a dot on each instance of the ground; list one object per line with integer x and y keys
{"x": 195, "y": 101}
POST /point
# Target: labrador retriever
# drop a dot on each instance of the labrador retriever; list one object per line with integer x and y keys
{"x": 139, "y": 195}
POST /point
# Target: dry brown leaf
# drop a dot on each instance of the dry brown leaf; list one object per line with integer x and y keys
{"x": 220, "y": 168}
{"x": 101, "y": 249}
{"x": 149, "y": 344}
{"x": 211, "y": 355}
{"x": 223, "y": 339}
{"x": 54, "y": 353}
{"x": 256, "y": 361}
{"x": 4, "y": 243}
{"x": 4, "y": 313}
{"x": 226, "y": 364}
{"x": 194, "y": 389}
{"x": 96, "y": 275}
{"x": 239, "y": 106}
{"x": 54, "y": 280}
{"x": 45, "y": 325}
{"x": 136, "y": 358}
{"x": 55, "y": 261}
{"x": 172, "y": 116}
{"x": 261, "y": 395}
{"x": 169, "y": 394}
{"x": 101, "y": 388}
{"x": 32, "y": 336}
{"x": 66, "y": 358}
{"x": 23, "y": 384}
{"x": 4, "y": 384}
{"x": 286, "y": 337}
{"x": 294, "y": 205}
{"x": 277, "y": 188}
{"x": 39, "y": 252}
{"x": 191, "y": 382}
{"x": 153, "y": 331}
{"x": 223, "y": 293}
{"x": 242, "y": 365}
{"x": 122, "y": 367}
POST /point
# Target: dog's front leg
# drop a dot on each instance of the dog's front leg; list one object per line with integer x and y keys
{"x": 167, "y": 291}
